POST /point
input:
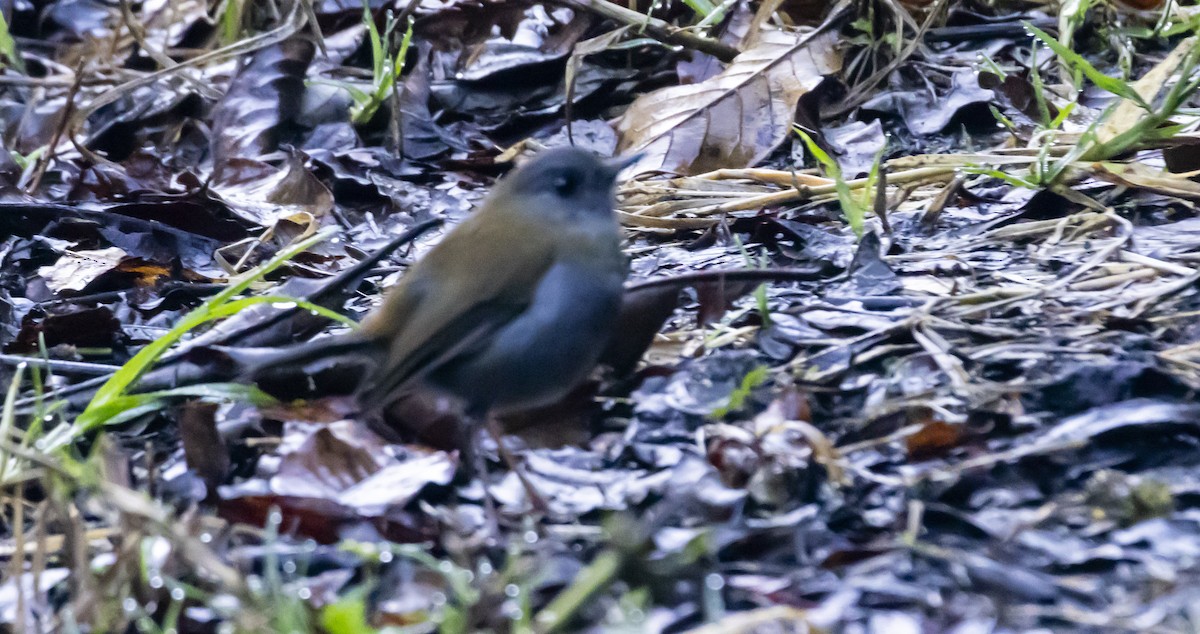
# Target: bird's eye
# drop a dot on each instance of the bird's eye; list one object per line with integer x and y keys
{"x": 565, "y": 184}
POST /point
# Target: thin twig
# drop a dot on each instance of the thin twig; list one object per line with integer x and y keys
{"x": 291, "y": 24}
{"x": 56, "y": 365}
{"x": 139, "y": 36}
{"x": 656, "y": 28}
{"x": 44, "y": 160}
{"x": 728, "y": 275}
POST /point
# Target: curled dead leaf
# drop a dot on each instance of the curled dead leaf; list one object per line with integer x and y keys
{"x": 735, "y": 118}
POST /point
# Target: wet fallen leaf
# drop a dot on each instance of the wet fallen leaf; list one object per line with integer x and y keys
{"x": 203, "y": 448}
{"x": 76, "y": 269}
{"x": 347, "y": 464}
{"x": 261, "y": 104}
{"x": 94, "y": 327}
{"x": 927, "y": 113}
{"x": 266, "y": 195}
{"x": 735, "y": 118}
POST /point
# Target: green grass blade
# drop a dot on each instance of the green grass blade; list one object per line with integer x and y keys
{"x": 1076, "y": 61}
{"x": 8, "y": 46}
{"x": 851, "y": 208}
{"x": 129, "y": 373}
{"x": 7, "y": 419}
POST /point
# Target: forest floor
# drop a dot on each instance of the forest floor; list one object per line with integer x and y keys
{"x": 910, "y": 341}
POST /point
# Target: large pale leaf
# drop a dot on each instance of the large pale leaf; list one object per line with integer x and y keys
{"x": 734, "y": 119}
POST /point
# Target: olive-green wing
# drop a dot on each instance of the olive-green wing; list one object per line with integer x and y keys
{"x": 471, "y": 331}
{"x": 474, "y": 282}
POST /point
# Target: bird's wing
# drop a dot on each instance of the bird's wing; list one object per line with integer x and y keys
{"x": 465, "y": 289}
{"x": 471, "y": 331}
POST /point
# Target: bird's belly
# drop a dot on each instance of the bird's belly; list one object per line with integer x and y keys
{"x": 545, "y": 351}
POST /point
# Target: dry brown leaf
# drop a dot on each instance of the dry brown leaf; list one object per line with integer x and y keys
{"x": 936, "y": 438}
{"x": 1148, "y": 178}
{"x": 735, "y": 118}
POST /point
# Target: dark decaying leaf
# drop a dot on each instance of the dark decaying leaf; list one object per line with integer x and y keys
{"x": 1087, "y": 386}
{"x": 330, "y": 477}
{"x": 868, "y": 273}
{"x": 263, "y": 194}
{"x": 1182, "y": 155}
{"x": 83, "y": 328}
{"x": 203, "y": 448}
{"x": 149, "y": 115}
{"x": 804, "y": 241}
{"x": 740, "y": 26}
{"x": 260, "y": 108}
{"x": 1020, "y": 94}
{"x": 423, "y": 138}
{"x": 856, "y": 144}
{"x": 736, "y": 118}
{"x": 925, "y": 113}
{"x": 1129, "y": 419}
{"x": 582, "y": 49}
{"x": 498, "y": 68}
{"x": 347, "y": 464}
{"x": 502, "y": 107}
{"x": 539, "y": 37}
{"x": 121, "y": 225}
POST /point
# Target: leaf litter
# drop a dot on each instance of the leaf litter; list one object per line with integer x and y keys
{"x": 979, "y": 416}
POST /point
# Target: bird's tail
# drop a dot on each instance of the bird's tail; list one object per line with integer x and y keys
{"x": 342, "y": 361}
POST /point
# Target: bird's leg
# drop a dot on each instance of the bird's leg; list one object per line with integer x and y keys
{"x": 475, "y": 464}
{"x": 535, "y": 498}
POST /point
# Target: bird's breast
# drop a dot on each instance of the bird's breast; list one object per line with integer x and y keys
{"x": 547, "y": 349}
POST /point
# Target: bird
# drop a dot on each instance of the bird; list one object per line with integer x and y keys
{"x": 511, "y": 310}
